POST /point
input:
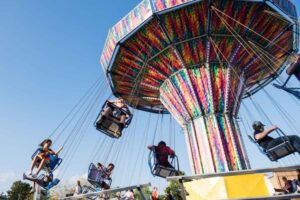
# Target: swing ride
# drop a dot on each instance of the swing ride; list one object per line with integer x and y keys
{"x": 197, "y": 60}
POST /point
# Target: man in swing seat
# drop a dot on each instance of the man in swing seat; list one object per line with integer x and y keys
{"x": 294, "y": 69}
{"x": 162, "y": 152}
{"x": 262, "y": 137}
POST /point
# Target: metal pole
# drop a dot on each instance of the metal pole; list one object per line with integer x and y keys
{"x": 37, "y": 193}
{"x": 183, "y": 193}
{"x": 142, "y": 193}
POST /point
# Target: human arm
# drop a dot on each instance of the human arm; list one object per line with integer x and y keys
{"x": 150, "y": 147}
{"x": 264, "y": 133}
{"x": 59, "y": 151}
{"x": 171, "y": 152}
{"x": 287, "y": 187}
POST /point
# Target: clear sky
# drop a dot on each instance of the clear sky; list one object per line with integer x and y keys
{"x": 49, "y": 57}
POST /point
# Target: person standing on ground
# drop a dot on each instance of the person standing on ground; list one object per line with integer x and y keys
{"x": 154, "y": 194}
{"x": 78, "y": 188}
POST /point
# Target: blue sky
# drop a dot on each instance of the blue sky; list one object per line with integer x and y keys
{"x": 49, "y": 57}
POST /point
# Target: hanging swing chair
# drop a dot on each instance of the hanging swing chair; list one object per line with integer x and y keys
{"x": 281, "y": 150}
{"x": 52, "y": 165}
{"x": 160, "y": 170}
{"x": 293, "y": 91}
{"x": 43, "y": 180}
{"x": 97, "y": 177}
{"x": 111, "y": 125}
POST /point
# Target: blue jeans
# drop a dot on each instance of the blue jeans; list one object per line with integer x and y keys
{"x": 294, "y": 139}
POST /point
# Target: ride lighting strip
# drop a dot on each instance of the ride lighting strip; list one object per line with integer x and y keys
{"x": 93, "y": 194}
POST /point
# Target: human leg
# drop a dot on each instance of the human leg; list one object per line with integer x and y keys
{"x": 34, "y": 162}
{"x": 42, "y": 164}
{"x": 107, "y": 111}
{"x": 295, "y": 141}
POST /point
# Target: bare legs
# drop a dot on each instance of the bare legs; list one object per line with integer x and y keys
{"x": 107, "y": 111}
{"x": 34, "y": 162}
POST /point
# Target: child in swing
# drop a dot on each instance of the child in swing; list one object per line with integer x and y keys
{"x": 43, "y": 157}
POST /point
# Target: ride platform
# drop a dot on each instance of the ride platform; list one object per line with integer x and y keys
{"x": 244, "y": 184}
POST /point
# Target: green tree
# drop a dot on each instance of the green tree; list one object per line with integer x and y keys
{"x": 137, "y": 194}
{"x": 19, "y": 191}
{"x": 3, "y": 196}
{"x": 174, "y": 188}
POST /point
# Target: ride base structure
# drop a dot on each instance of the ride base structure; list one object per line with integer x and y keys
{"x": 197, "y": 59}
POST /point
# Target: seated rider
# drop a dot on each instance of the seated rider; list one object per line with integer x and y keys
{"x": 43, "y": 157}
{"x": 294, "y": 69}
{"x": 46, "y": 182}
{"x": 105, "y": 174}
{"x": 120, "y": 104}
{"x": 162, "y": 153}
{"x": 287, "y": 188}
{"x": 262, "y": 137}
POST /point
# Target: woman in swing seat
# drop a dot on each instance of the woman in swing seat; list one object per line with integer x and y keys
{"x": 262, "y": 137}
{"x": 43, "y": 156}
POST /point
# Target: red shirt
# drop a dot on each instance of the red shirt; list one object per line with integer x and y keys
{"x": 162, "y": 154}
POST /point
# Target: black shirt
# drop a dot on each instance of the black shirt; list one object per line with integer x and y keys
{"x": 264, "y": 141}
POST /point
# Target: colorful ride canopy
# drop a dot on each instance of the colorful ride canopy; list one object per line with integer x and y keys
{"x": 159, "y": 37}
{"x": 197, "y": 60}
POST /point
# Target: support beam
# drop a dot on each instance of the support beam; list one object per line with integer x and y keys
{"x": 235, "y": 173}
{"x": 37, "y": 193}
{"x": 183, "y": 193}
{"x": 141, "y": 192}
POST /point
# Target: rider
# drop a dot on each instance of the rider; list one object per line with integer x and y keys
{"x": 262, "y": 137}
{"x": 106, "y": 173}
{"x": 294, "y": 69}
{"x": 162, "y": 152}
{"x": 43, "y": 156}
{"x": 120, "y": 103}
{"x": 46, "y": 181}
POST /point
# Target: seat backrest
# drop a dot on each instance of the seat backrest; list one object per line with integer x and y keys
{"x": 54, "y": 162}
{"x": 93, "y": 173}
{"x": 36, "y": 153}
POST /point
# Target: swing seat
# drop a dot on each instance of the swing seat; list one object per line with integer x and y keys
{"x": 39, "y": 181}
{"x": 164, "y": 172}
{"x": 293, "y": 91}
{"x": 280, "y": 151}
{"x": 53, "y": 183}
{"x": 277, "y": 152}
{"x": 110, "y": 125}
{"x": 160, "y": 170}
{"x": 96, "y": 177}
{"x": 53, "y": 164}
